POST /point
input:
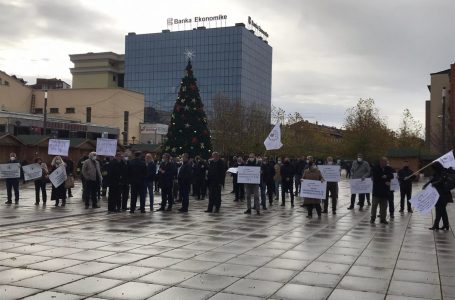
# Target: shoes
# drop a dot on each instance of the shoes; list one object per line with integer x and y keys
{"x": 369, "y": 203}
{"x": 236, "y": 200}
{"x": 37, "y": 203}
{"x": 95, "y": 206}
{"x": 183, "y": 210}
{"x": 309, "y": 216}
{"x": 63, "y": 203}
{"x": 44, "y": 203}
{"x": 86, "y": 207}
{"x": 247, "y": 212}
{"x": 324, "y": 211}
{"x": 70, "y": 196}
{"x": 282, "y": 204}
{"x": 271, "y": 203}
{"x": 56, "y": 204}
{"x": 350, "y": 208}
{"x": 401, "y": 210}
{"x": 334, "y": 212}
{"x": 445, "y": 227}
{"x": 410, "y": 211}
{"x": 372, "y": 221}
{"x": 384, "y": 222}
{"x": 160, "y": 209}
{"x": 392, "y": 216}
{"x": 434, "y": 228}
{"x": 264, "y": 208}
{"x": 208, "y": 211}
{"x": 361, "y": 208}
{"x": 16, "y": 202}
{"x": 131, "y": 211}
{"x": 217, "y": 210}
{"x": 142, "y": 211}
{"x": 258, "y": 212}
{"x": 292, "y": 204}
{"x": 169, "y": 209}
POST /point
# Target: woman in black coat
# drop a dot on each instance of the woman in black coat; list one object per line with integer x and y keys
{"x": 437, "y": 181}
{"x": 59, "y": 192}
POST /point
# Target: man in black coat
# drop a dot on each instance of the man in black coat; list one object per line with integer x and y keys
{"x": 287, "y": 175}
{"x": 299, "y": 167}
{"x": 405, "y": 179}
{"x": 382, "y": 175}
{"x": 12, "y": 183}
{"x": 267, "y": 174}
{"x": 200, "y": 170}
{"x": 137, "y": 172}
{"x": 166, "y": 173}
{"x": 124, "y": 182}
{"x": 215, "y": 176}
{"x": 151, "y": 177}
{"x": 114, "y": 203}
{"x": 184, "y": 177}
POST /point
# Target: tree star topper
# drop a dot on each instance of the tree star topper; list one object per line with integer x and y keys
{"x": 189, "y": 54}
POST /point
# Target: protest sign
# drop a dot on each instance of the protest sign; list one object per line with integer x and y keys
{"x": 247, "y": 174}
{"x": 58, "y": 177}
{"x": 313, "y": 189}
{"x": 232, "y": 170}
{"x": 425, "y": 200}
{"x": 106, "y": 147}
{"x": 394, "y": 183}
{"x": 359, "y": 186}
{"x": 330, "y": 173}
{"x": 32, "y": 171}
{"x": 10, "y": 170}
{"x": 58, "y": 147}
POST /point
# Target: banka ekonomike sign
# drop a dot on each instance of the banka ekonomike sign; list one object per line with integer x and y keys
{"x": 172, "y": 21}
{"x": 257, "y": 27}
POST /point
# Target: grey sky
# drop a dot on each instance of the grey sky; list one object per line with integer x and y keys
{"x": 327, "y": 54}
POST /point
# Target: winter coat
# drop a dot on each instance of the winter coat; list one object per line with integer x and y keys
{"x": 380, "y": 187}
{"x": 185, "y": 174}
{"x": 91, "y": 170}
{"x": 360, "y": 170}
{"x": 311, "y": 174}
{"x": 287, "y": 173}
{"x": 137, "y": 171}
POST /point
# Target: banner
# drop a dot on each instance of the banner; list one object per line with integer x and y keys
{"x": 106, "y": 147}
{"x": 232, "y": 170}
{"x": 394, "y": 183}
{"x": 251, "y": 175}
{"x": 359, "y": 186}
{"x": 313, "y": 189}
{"x": 425, "y": 200}
{"x": 58, "y": 177}
{"x": 447, "y": 160}
{"x": 32, "y": 171}
{"x": 10, "y": 170}
{"x": 273, "y": 141}
{"x": 58, "y": 147}
{"x": 330, "y": 173}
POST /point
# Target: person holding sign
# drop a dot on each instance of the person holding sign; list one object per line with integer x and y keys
{"x": 405, "y": 178}
{"x": 287, "y": 182}
{"x": 360, "y": 170}
{"x": 312, "y": 173}
{"x": 438, "y": 182}
{"x": 58, "y": 192}
{"x": 382, "y": 175}
{"x": 252, "y": 188}
{"x": 12, "y": 183}
{"x": 40, "y": 183}
{"x": 332, "y": 188}
{"x": 92, "y": 177}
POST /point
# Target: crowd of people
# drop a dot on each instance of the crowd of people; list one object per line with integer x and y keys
{"x": 127, "y": 177}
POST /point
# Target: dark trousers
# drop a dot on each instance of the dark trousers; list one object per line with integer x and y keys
{"x": 441, "y": 213}
{"x": 166, "y": 196}
{"x": 332, "y": 189}
{"x": 310, "y": 209}
{"x": 240, "y": 192}
{"x": 70, "y": 194}
{"x": 270, "y": 190}
{"x": 200, "y": 188}
{"x": 148, "y": 188}
{"x": 382, "y": 202}
{"x": 361, "y": 200}
{"x": 91, "y": 193}
{"x": 84, "y": 188}
{"x": 391, "y": 203}
{"x": 262, "y": 189}
{"x": 137, "y": 190}
{"x": 125, "y": 191}
{"x": 214, "y": 197}
{"x": 114, "y": 202}
{"x": 297, "y": 182}
{"x": 12, "y": 183}
{"x": 185, "y": 193}
{"x": 405, "y": 192}
{"x": 40, "y": 186}
{"x": 287, "y": 187}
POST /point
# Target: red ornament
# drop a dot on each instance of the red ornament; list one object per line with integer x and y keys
{"x": 193, "y": 87}
{"x": 206, "y": 132}
{"x": 194, "y": 140}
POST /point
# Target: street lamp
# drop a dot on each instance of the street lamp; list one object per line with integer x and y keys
{"x": 444, "y": 94}
{"x": 45, "y": 113}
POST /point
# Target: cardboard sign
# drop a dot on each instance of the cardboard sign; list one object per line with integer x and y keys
{"x": 359, "y": 186}
{"x": 58, "y": 147}
{"x": 394, "y": 183}
{"x": 58, "y": 177}
{"x": 425, "y": 200}
{"x": 10, "y": 170}
{"x": 313, "y": 189}
{"x": 33, "y": 171}
{"x": 330, "y": 173}
{"x": 247, "y": 174}
{"x": 106, "y": 147}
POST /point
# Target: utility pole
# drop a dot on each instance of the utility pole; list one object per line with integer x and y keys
{"x": 45, "y": 113}
{"x": 444, "y": 94}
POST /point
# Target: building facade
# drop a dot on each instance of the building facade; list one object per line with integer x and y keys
{"x": 228, "y": 62}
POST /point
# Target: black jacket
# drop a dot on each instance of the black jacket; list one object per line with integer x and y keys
{"x": 402, "y": 174}
{"x": 380, "y": 188}
{"x": 151, "y": 172}
{"x": 299, "y": 167}
{"x": 216, "y": 172}
{"x": 137, "y": 171}
{"x": 267, "y": 172}
{"x": 167, "y": 174}
{"x": 287, "y": 173}
{"x": 185, "y": 174}
{"x": 115, "y": 173}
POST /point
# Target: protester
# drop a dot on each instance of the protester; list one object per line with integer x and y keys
{"x": 391, "y": 199}
{"x": 58, "y": 192}
{"x": 167, "y": 172}
{"x": 405, "y": 178}
{"x": 267, "y": 183}
{"x": 312, "y": 173}
{"x": 382, "y": 175}
{"x": 252, "y": 188}
{"x": 137, "y": 172}
{"x": 150, "y": 178}
{"x": 114, "y": 203}
{"x": 40, "y": 183}
{"x": 92, "y": 175}
{"x": 200, "y": 174}
{"x": 332, "y": 189}
{"x": 69, "y": 173}
{"x": 185, "y": 174}
{"x": 299, "y": 167}
{"x": 287, "y": 175}
{"x": 277, "y": 178}
{"x": 438, "y": 180}
{"x": 12, "y": 183}
{"x": 215, "y": 175}
{"x": 124, "y": 184}
{"x": 175, "y": 184}
{"x": 240, "y": 187}
{"x": 360, "y": 170}
{"x": 104, "y": 167}
{"x": 79, "y": 173}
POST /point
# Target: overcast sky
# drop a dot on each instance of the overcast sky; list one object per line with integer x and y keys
{"x": 326, "y": 53}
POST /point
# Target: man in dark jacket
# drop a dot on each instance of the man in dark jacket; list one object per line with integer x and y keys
{"x": 124, "y": 184}
{"x": 299, "y": 167}
{"x": 215, "y": 175}
{"x": 12, "y": 183}
{"x": 137, "y": 172}
{"x": 114, "y": 179}
{"x": 200, "y": 170}
{"x": 267, "y": 174}
{"x": 167, "y": 173}
{"x": 287, "y": 175}
{"x": 382, "y": 175}
{"x": 151, "y": 175}
{"x": 184, "y": 177}
{"x": 405, "y": 179}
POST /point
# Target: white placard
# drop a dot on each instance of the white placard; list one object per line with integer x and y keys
{"x": 58, "y": 147}
{"x": 425, "y": 200}
{"x": 32, "y": 171}
{"x": 313, "y": 189}
{"x": 58, "y": 177}
{"x": 232, "y": 170}
{"x": 106, "y": 147}
{"x": 10, "y": 170}
{"x": 394, "y": 183}
{"x": 330, "y": 173}
{"x": 359, "y": 186}
{"x": 247, "y": 174}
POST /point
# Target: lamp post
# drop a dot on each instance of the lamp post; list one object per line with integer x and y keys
{"x": 45, "y": 113}
{"x": 444, "y": 94}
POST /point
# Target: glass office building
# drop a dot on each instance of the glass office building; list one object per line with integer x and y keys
{"x": 231, "y": 62}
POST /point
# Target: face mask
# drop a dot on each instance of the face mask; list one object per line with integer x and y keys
{"x": 279, "y": 161}
{"x": 125, "y": 158}
{"x": 260, "y": 161}
{"x": 93, "y": 158}
{"x": 251, "y": 159}
{"x": 330, "y": 162}
{"x": 307, "y": 161}
{"x": 58, "y": 161}
{"x": 359, "y": 159}
{"x": 12, "y": 158}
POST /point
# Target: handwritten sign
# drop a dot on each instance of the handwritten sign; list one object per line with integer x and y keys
{"x": 359, "y": 186}
{"x": 33, "y": 171}
{"x": 330, "y": 173}
{"x": 425, "y": 200}
{"x": 10, "y": 170}
{"x": 394, "y": 183}
{"x": 58, "y": 147}
{"x": 232, "y": 170}
{"x": 247, "y": 174}
{"x": 106, "y": 147}
{"x": 313, "y": 189}
{"x": 58, "y": 177}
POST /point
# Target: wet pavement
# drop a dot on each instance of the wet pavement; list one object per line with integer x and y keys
{"x": 74, "y": 253}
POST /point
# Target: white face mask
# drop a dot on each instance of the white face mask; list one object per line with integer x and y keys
{"x": 359, "y": 159}
{"x": 125, "y": 158}
{"x": 12, "y": 158}
{"x": 330, "y": 162}
{"x": 58, "y": 161}
{"x": 93, "y": 157}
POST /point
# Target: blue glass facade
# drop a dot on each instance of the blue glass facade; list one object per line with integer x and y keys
{"x": 228, "y": 61}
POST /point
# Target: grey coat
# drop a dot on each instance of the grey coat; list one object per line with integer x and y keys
{"x": 360, "y": 170}
{"x": 90, "y": 168}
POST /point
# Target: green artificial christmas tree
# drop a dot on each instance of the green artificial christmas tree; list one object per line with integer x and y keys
{"x": 188, "y": 131}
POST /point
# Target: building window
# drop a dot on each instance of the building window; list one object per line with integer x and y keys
{"x": 113, "y": 78}
{"x": 70, "y": 110}
{"x": 38, "y": 111}
{"x": 88, "y": 116}
{"x": 53, "y": 110}
{"x": 6, "y": 82}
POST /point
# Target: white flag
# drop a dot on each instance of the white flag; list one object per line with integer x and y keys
{"x": 447, "y": 160}
{"x": 273, "y": 141}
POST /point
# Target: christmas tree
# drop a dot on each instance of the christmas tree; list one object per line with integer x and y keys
{"x": 188, "y": 131}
